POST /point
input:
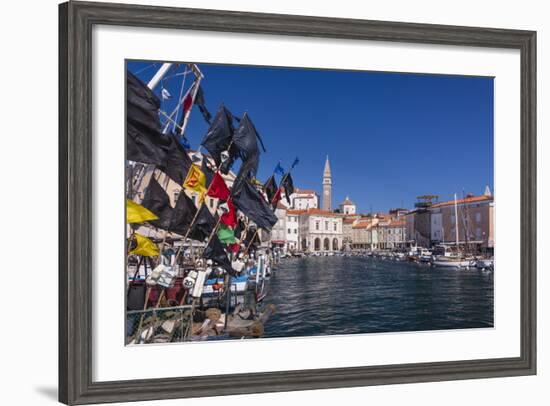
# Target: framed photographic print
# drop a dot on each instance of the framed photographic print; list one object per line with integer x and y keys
{"x": 257, "y": 202}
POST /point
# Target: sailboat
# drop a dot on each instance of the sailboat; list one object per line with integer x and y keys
{"x": 455, "y": 260}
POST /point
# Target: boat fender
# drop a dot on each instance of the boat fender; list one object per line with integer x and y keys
{"x": 154, "y": 276}
{"x": 199, "y": 284}
{"x": 189, "y": 280}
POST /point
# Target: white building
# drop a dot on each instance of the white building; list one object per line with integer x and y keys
{"x": 320, "y": 231}
{"x": 347, "y": 207}
{"x": 303, "y": 199}
{"x": 292, "y": 229}
{"x": 278, "y": 232}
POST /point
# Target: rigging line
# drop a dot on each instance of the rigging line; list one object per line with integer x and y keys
{"x": 170, "y": 120}
{"x": 166, "y": 124}
{"x": 184, "y": 73}
{"x": 170, "y": 116}
{"x": 179, "y": 98}
{"x": 145, "y": 68}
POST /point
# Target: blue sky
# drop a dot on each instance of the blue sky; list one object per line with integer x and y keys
{"x": 390, "y": 137}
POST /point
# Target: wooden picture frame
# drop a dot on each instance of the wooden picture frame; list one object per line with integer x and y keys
{"x": 76, "y": 20}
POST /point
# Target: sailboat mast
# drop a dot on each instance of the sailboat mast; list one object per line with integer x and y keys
{"x": 194, "y": 90}
{"x": 456, "y": 222}
{"x": 159, "y": 75}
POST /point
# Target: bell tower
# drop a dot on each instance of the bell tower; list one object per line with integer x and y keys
{"x": 327, "y": 187}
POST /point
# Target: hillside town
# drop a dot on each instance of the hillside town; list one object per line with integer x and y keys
{"x": 306, "y": 226}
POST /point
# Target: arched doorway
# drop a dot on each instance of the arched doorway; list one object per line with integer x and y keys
{"x": 326, "y": 244}
{"x": 335, "y": 244}
{"x": 317, "y": 244}
{"x": 304, "y": 244}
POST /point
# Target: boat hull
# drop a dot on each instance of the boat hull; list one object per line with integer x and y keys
{"x": 452, "y": 264}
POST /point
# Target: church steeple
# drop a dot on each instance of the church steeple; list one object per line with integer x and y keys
{"x": 327, "y": 187}
{"x": 326, "y": 172}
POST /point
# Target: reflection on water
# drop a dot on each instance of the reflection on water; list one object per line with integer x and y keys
{"x": 344, "y": 295}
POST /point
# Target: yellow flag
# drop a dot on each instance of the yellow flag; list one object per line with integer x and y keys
{"x": 136, "y": 213}
{"x": 144, "y": 246}
{"x": 195, "y": 180}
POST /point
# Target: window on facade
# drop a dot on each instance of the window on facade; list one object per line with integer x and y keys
{"x": 478, "y": 233}
{"x": 326, "y": 225}
{"x": 211, "y": 203}
{"x": 295, "y": 231}
{"x": 289, "y": 230}
{"x": 335, "y": 226}
{"x": 176, "y": 195}
{"x": 478, "y": 217}
{"x": 317, "y": 225}
{"x": 452, "y": 218}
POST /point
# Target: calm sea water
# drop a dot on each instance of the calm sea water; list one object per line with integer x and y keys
{"x": 341, "y": 295}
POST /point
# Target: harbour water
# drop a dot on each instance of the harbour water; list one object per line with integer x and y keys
{"x": 345, "y": 295}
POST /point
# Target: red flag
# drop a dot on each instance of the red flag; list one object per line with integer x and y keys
{"x": 234, "y": 248}
{"x": 276, "y": 198}
{"x": 229, "y": 218}
{"x": 218, "y": 188}
{"x": 187, "y": 102}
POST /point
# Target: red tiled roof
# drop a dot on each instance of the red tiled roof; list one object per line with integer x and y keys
{"x": 472, "y": 199}
{"x": 362, "y": 224}
{"x": 304, "y": 191}
{"x": 295, "y": 211}
{"x": 320, "y": 212}
{"x": 397, "y": 223}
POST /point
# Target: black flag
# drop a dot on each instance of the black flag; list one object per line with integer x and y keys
{"x": 204, "y": 224}
{"x": 208, "y": 173}
{"x": 157, "y": 201}
{"x": 144, "y": 141}
{"x": 246, "y": 139}
{"x": 201, "y": 104}
{"x": 239, "y": 229}
{"x": 219, "y": 135}
{"x": 248, "y": 200}
{"x": 270, "y": 188}
{"x": 252, "y": 239}
{"x": 215, "y": 251}
{"x": 177, "y": 163}
{"x": 246, "y": 172}
{"x": 183, "y": 214}
{"x": 288, "y": 185}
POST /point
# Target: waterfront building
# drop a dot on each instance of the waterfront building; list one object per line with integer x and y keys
{"x": 347, "y": 207}
{"x": 474, "y": 222}
{"x": 361, "y": 233}
{"x": 418, "y": 227}
{"x": 327, "y": 187}
{"x": 395, "y": 236}
{"x": 320, "y": 231}
{"x": 437, "y": 223}
{"x": 382, "y": 229}
{"x": 278, "y": 237}
{"x": 292, "y": 229}
{"x": 347, "y": 231}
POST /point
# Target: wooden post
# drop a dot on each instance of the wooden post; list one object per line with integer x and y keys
{"x": 138, "y": 330}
